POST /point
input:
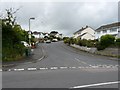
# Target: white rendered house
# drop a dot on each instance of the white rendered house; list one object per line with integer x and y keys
{"x": 112, "y": 29}
{"x": 85, "y": 33}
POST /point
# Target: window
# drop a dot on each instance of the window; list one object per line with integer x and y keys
{"x": 98, "y": 32}
{"x": 104, "y": 31}
{"x": 113, "y": 29}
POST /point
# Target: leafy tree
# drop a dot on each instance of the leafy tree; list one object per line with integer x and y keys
{"x": 12, "y": 35}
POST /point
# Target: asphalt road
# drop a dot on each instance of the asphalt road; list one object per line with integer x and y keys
{"x": 63, "y": 67}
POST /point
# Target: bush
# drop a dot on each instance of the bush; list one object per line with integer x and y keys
{"x": 117, "y": 42}
{"x": 90, "y": 43}
{"x": 99, "y": 46}
{"x": 105, "y": 41}
{"x": 66, "y": 40}
{"x": 72, "y": 41}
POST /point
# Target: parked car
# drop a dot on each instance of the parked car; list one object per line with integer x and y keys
{"x": 48, "y": 41}
{"x": 25, "y": 43}
{"x": 54, "y": 40}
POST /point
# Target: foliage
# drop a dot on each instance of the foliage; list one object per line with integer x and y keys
{"x": 105, "y": 41}
{"x": 66, "y": 40}
{"x": 12, "y": 35}
{"x": 117, "y": 42}
{"x": 78, "y": 41}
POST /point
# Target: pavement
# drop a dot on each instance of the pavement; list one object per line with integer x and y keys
{"x": 36, "y": 54}
{"x": 62, "y": 67}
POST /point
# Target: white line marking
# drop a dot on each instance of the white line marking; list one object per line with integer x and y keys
{"x": 41, "y": 58}
{"x": 98, "y": 84}
{"x": 32, "y": 69}
{"x": 94, "y": 66}
{"x": 80, "y": 67}
{"x": 80, "y": 61}
{"x": 87, "y": 67}
{"x": 72, "y": 67}
{"x": 9, "y": 69}
{"x": 54, "y": 68}
{"x": 63, "y": 67}
{"x": 43, "y": 68}
{"x": 19, "y": 69}
{"x": 43, "y": 55}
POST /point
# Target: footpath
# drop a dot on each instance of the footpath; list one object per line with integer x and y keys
{"x": 111, "y": 52}
{"x": 36, "y": 54}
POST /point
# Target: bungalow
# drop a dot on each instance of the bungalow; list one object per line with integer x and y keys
{"x": 85, "y": 33}
{"x": 112, "y": 29}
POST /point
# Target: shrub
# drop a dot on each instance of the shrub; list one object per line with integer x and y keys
{"x": 105, "y": 41}
{"x": 90, "y": 43}
{"x": 117, "y": 42}
{"x": 71, "y": 40}
{"x": 77, "y": 41}
{"x": 66, "y": 40}
{"x": 99, "y": 46}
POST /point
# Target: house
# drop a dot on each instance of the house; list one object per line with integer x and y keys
{"x": 55, "y": 34}
{"x": 85, "y": 33}
{"x": 112, "y": 29}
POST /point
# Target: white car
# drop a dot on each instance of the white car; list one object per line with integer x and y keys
{"x": 48, "y": 41}
{"x": 25, "y": 43}
{"x": 54, "y": 40}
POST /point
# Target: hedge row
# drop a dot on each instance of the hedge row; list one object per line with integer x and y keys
{"x": 104, "y": 42}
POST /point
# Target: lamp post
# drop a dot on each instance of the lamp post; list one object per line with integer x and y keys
{"x": 29, "y": 52}
{"x": 30, "y": 31}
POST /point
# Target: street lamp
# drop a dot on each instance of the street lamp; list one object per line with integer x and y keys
{"x": 29, "y": 30}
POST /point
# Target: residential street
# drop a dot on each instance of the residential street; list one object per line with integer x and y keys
{"x": 61, "y": 66}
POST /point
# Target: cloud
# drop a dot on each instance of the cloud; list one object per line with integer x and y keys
{"x": 66, "y": 17}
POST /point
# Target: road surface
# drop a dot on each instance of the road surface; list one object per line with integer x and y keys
{"x": 62, "y": 66}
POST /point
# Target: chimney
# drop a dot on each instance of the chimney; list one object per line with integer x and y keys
{"x": 86, "y": 26}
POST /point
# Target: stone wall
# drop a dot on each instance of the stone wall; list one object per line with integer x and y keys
{"x": 107, "y": 52}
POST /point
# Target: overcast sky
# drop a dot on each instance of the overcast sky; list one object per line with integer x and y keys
{"x": 64, "y": 17}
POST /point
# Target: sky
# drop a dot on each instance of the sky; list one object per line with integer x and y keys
{"x": 66, "y": 17}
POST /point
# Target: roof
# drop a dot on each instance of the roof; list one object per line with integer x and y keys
{"x": 109, "y": 26}
{"x": 81, "y": 29}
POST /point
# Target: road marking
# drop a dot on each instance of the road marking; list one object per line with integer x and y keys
{"x": 54, "y": 68}
{"x": 94, "y": 66}
{"x": 9, "y": 70}
{"x": 41, "y": 58}
{"x": 43, "y": 55}
{"x": 80, "y": 61}
{"x": 98, "y": 84}
{"x": 21, "y": 69}
{"x": 32, "y": 69}
{"x": 73, "y": 67}
{"x": 80, "y": 67}
{"x": 63, "y": 67}
{"x": 43, "y": 68}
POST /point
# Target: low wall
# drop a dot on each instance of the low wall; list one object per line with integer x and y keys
{"x": 107, "y": 52}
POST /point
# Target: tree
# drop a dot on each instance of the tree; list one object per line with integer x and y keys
{"x": 12, "y": 35}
